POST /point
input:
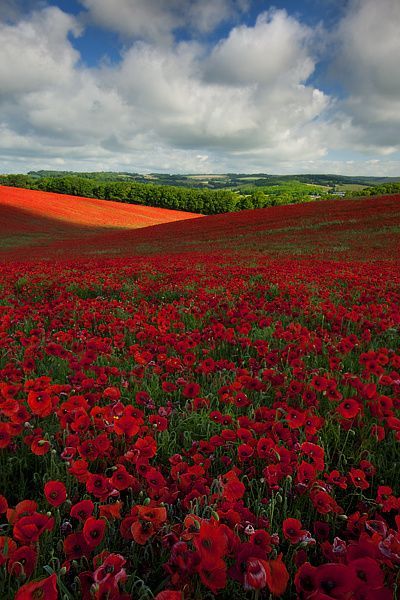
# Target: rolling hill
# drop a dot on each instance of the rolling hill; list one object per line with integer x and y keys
{"x": 31, "y": 217}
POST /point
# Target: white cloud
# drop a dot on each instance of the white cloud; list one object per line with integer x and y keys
{"x": 245, "y": 103}
{"x": 156, "y": 20}
{"x": 276, "y": 48}
{"x": 161, "y": 103}
{"x": 367, "y": 65}
{"x": 34, "y": 53}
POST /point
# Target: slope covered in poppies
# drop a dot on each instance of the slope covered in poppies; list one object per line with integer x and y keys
{"x": 359, "y": 228}
{"x": 201, "y": 409}
{"x": 31, "y": 217}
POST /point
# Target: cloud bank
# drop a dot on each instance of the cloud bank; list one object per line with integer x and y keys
{"x": 248, "y": 99}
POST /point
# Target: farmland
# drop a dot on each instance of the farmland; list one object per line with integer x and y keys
{"x": 202, "y": 408}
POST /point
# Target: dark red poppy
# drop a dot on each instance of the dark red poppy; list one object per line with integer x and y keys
{"x": 213, "y": 574}
{"x": 7, "y": 547}
{"x": 75, "y": 546}
{"x": 82, "y": 510}
{"x": 292, "y": 530}
{"x": 335, "y": 580}
{"x": 28, "y": 529}
{"x": 44, "y": 589}
{"x": 22, "y": 562}
{"x": 55, "y": 492}
{"x": 210, "y": 541}
{"x": 94, "y": 531}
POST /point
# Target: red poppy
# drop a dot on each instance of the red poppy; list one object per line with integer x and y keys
{"x": 28, "y": 529}
{"x": 335, "y": 580}
{"x": 40, "y": 403}
{"x": 292, "y": 530}
{"x": 213, "y": 574}
{"x": 55, "y": 492}
{"x": 369, "y": 573}
{"x": 98, "y": 485}
{"x": 278, "y": 577}
{"x": 45, "y": 589}
{"x": 3, "y": 504}
{"x": 111, "y": 569}
{"x": 7, "y": 547}
{"x": 149, "y": 520}
{"x": 22, "y": 562}
{"x": 82, "y": 510}
{"x": 121, "y": 479}
{"x": 305, "y": 581}
{"x": 349, "y": 408}
{"x": 210, "y": 542}
{"x": 191, "y": 390}
{"x": 126, "y": 425}
{"x": 75, "y": 546}
{"x": 357, "y": 477}
{"x": 255, "y": 576}
{"x": 94, "y": 531}
{"x": 5, "y": 437}
{"x": 110, "y": 511}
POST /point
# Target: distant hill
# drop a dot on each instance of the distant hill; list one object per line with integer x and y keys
{"x": 220, "y": 181}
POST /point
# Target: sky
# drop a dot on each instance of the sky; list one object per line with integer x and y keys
{"x": 200, "y": 86}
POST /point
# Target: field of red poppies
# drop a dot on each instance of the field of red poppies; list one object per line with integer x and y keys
{"x": 204, "y": 409}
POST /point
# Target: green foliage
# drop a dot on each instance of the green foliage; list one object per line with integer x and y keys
{"x": 237, "y": 192}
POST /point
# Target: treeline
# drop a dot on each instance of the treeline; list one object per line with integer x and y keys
{"x": 378, "y": 190}
{"x": 203, "y": 201}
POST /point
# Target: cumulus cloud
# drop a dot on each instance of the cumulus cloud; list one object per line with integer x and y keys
{"x": 156, "y": 20}
{"x": 161, "y": 102}
{"x": 245, "y": 102}
{"x": 277, "y": 47}
{"x": 367, "y": 65}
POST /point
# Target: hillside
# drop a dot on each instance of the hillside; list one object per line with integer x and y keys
{"x": 358, "y": 228}
{"x": 30, "y": 217}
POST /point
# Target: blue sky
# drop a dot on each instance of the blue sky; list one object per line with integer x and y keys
{"x": 200, "y": 86}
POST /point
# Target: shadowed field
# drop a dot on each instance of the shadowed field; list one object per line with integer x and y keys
{"x": 356, "y": 229}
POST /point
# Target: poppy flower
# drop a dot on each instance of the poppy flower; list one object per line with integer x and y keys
{"x": 75, "y": 546}
{"x": 305, "y": 581}
{"x": 22, "y": 562}
{"x": 7, "y": 547}
{"x": 292, "y": 530}
{"x": 98, "y": 485}
{"x": 357, "y": 477}
{"x": 55, "y": 492}
{"x": 121, "y": 479}
{"x": 255, "y": 576}
{"x": 82, "y": 510}
{"x": 210, "y": 542}
{"x": 3, "y": 504}
{"x": 110, "y": 511}
{"x": 40, "y": 403}
{"x": 5, "y": 437}
{"x": 213, "y": 574}
{"x": 126, "y": 425}
{"x": 368, "y": 571}
{"x": 278, "y": 577}
{"x": 191, "y": 390}
{"x": 93, "y": 531}
{"x": 111, "y": 568}
{"x": 28, "y": 529}
{"x": 335, "y": 580}
{"x": 349, "y": 408}
{"x": 45, "y": 589}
